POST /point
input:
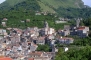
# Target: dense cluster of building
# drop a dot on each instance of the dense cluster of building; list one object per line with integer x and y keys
{"x": 21, "y": 44}
{"x": 80, "y": 31}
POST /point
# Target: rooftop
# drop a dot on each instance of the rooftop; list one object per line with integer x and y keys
{"x": 31, "y": 59}
{"x": 5, "y": 58}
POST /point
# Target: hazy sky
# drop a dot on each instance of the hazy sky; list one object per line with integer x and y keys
{"x": 86, "y": 2}
{"x": 1, "y": 1}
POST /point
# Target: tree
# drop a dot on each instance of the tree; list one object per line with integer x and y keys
{"x": 45, "y": 48}
{"x": 82, "y": 53}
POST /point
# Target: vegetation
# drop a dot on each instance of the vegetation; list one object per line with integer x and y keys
{"x": 51, "y": 3}
{"x": 74, "y": 12}
{"x": 45, "y": 48}
{"x": 9, "y": 3}
{"x": 13, "y": 2}
{"x": 15, "y": 19}
{"x": 20, "y": 10}
{"x": 82, "y": 53}
{"x": 87, "y": 22}
{"x": 63, "y": 8}
{"x": 63, "y": 3}
{"x": 79, "y": 50}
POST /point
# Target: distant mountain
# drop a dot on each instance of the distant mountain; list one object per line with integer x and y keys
{"x": 9, "y": 3}
{"x": 13, "y": 2}
{"x": 64, "y": 8}
{"x": 45, "y": 5}
{"x": 49, "y": 5}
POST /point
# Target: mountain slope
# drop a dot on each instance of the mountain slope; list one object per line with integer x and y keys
{"x": 20, "y": 5}
{"x": 9, "y": 3}
{"x": 27, "y": 5}
{"x": 47, "y": 5}
{"x": 12, "y": 2}
{"x": 64, "y": 8}
{"x": 64, "y": 3}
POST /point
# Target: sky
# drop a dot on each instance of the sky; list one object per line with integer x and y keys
{"x": 2, "y": 1}
{"x": 86, "y": 2}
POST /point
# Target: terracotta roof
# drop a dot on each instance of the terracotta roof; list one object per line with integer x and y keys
{"x": 36, "y": 53}
{"x": 5, "y": 58}
{"x": 81, "y": 28}
{"x": 31, "y": 59}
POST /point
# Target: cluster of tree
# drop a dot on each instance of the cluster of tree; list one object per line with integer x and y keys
{"x": 82, "y": 41}
{"x": 27, "y": 5}
{"x": 45, "y": 48}
{"x": 16, "y": 16}
{"x": 33, "y": 5}
{"x": 74, "y": 12}
{"x": 23, "y": 5}
{"x": 87, "y": 22}
{"x": 79, "y": 53}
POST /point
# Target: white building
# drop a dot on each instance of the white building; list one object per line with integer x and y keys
{"x": 65, "y": 40}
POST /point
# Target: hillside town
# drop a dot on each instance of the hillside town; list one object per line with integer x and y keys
{"x": 19, "y": 44}
{"x": 45, "y": 30}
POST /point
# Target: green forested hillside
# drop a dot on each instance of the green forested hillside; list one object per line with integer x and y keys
{"x": 14, "y": 2}
{"x": 9, "y": 3}
{"x": 64, "y": 3}
{"x": 27, "y": 5}
{"x": 50, "y": 5}
{"x": 63, "y": 8}
{"x": 46, "y": 5}
{"x": 54, "y": 3}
